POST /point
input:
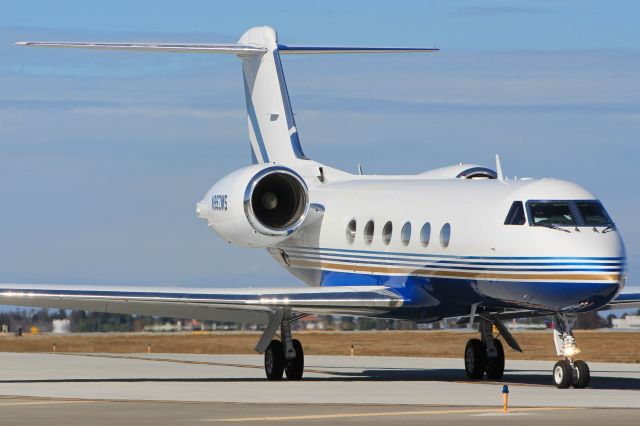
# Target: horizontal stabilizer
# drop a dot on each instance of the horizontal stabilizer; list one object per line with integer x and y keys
{"x": 233, "y": 48}
{"x": 301, "y": 50}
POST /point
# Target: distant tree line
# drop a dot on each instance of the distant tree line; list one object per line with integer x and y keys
{"x": 80, "y": 321}
{"x": 87, "y": 322}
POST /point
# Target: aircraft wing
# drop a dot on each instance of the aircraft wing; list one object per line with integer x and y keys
{"x": 624, "y": 300}
{"x": 224, "y": 305}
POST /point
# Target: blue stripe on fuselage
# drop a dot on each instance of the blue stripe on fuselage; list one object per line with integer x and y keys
{"x": 445, "y": 297}
{"x": 392, "y": 258}
{"x": 556, "y": 267}
{"x": 445, "y": 256}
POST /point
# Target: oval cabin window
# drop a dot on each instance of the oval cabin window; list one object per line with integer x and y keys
{"x": 351, "y": 231}
{"x": 368, "y": 232}
{"x": 425, "y": 234}
{"x": 445, "y": 235}
{"x": 387, "y": 232}
{"x": 405, "y": 234}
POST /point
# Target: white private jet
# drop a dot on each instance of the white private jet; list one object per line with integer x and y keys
{"x": 460, "y": 241}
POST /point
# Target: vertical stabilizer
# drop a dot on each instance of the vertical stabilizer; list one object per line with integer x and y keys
{"x": 272, "y": 128}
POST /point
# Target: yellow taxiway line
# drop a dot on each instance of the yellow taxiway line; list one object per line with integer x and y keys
{"x": 389, "y": 414}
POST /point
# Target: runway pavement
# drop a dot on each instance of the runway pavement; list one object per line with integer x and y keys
{"x": 195, "y": 388}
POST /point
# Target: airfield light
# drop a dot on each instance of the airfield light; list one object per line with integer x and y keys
{"x": 505, "y": 398}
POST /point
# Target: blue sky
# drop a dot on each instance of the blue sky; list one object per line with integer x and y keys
{"x": 104, "y": 154}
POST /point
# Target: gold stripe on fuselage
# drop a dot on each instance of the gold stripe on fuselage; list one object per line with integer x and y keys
{"x": 607, "y": 277}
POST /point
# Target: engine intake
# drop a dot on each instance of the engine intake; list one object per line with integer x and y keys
{"x": 276, "y": 201}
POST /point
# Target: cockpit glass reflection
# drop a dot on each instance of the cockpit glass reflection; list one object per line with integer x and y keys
{"x": 593, "y": 213}
{"x": 555, "y": 214}
{"x": 551, "y": 213}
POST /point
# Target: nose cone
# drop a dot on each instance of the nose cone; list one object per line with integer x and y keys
{"x": 623, "y": 269}
{"x": 202, "y": 209}
{"x": 604, "y": 267}
{"x": 610, "y": 247}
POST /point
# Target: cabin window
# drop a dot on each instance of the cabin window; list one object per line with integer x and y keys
{"x": 405, "y": 234}
{"x": 545, "y": 213}
{"x": 516, "y": 214}
{"x": 351, "y": 231}
{"x": 593, "y": 213}
{"x": 387, "y": 232}
{"x": 445, "y": 235}
{"x": 425, "y": 234}
{"x": 368, "y": 232}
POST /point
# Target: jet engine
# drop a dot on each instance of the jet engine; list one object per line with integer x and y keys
{"x": 256, "y": 206}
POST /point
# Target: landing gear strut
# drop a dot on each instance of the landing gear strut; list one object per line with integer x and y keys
{"x": 485, "y": 355}
{"x": 568, "y": 371}
{"x": 284, "y": 357}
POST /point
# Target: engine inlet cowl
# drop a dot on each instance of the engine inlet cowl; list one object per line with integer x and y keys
{"x": 276, "y": 201}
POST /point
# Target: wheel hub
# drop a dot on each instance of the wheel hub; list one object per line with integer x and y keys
{"x": 558, "y": 374}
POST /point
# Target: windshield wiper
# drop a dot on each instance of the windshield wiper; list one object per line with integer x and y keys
{"x": 609, "y": 228}
{"x": 553, "y": 226}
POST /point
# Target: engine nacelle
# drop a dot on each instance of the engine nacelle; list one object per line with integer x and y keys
{"x": 256, "y": 206}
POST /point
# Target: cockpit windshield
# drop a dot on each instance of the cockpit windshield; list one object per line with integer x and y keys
{"x": 593, "y": 214}
{"x": 568, "y": 213}
{"x": 551, "y": 213}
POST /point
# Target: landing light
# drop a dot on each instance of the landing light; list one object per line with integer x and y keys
{"x": 570, "y": 351}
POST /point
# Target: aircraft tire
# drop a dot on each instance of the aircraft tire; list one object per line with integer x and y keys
{"x": 495, "y": 366}
{"x": 274, "y": 360}
{"x": 295, "y": 367}
{"x": 475, "y": 359}
{"x": 583, "y": 375}
{"x": 562, "y": 374}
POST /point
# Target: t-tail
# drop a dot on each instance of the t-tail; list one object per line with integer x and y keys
{"x": 273, "y": 133}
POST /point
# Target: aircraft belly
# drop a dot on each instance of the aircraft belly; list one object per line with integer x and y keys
{"x": 433, "y": 298}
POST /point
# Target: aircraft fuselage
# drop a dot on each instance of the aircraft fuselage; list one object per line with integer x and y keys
{"x": 482, "y": 260}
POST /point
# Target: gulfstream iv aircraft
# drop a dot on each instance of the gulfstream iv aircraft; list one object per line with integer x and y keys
{"x": 460, "y": 241}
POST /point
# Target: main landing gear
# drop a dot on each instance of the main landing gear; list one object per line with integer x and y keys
{"x": 569, "y": 371}
{"x": 283, "y": 356}
{"x": 486, "y": 355}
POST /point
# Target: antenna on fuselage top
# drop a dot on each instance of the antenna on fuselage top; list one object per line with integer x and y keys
{"x": 499, "y": 174}
{"x": 360, "y": 169}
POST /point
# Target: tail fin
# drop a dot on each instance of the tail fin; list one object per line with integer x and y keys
{"x": 272, "y": 128}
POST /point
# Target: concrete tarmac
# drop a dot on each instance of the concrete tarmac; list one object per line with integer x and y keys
{"x": 178, "y": 388}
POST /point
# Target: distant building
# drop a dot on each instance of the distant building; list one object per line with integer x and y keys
{"x": 61, "y": 326}
{"x": 630, "y": 321}
{"x": 312, "y": 322}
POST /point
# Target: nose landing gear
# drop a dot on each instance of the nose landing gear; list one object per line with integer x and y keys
{"x": 568, "y": 371}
